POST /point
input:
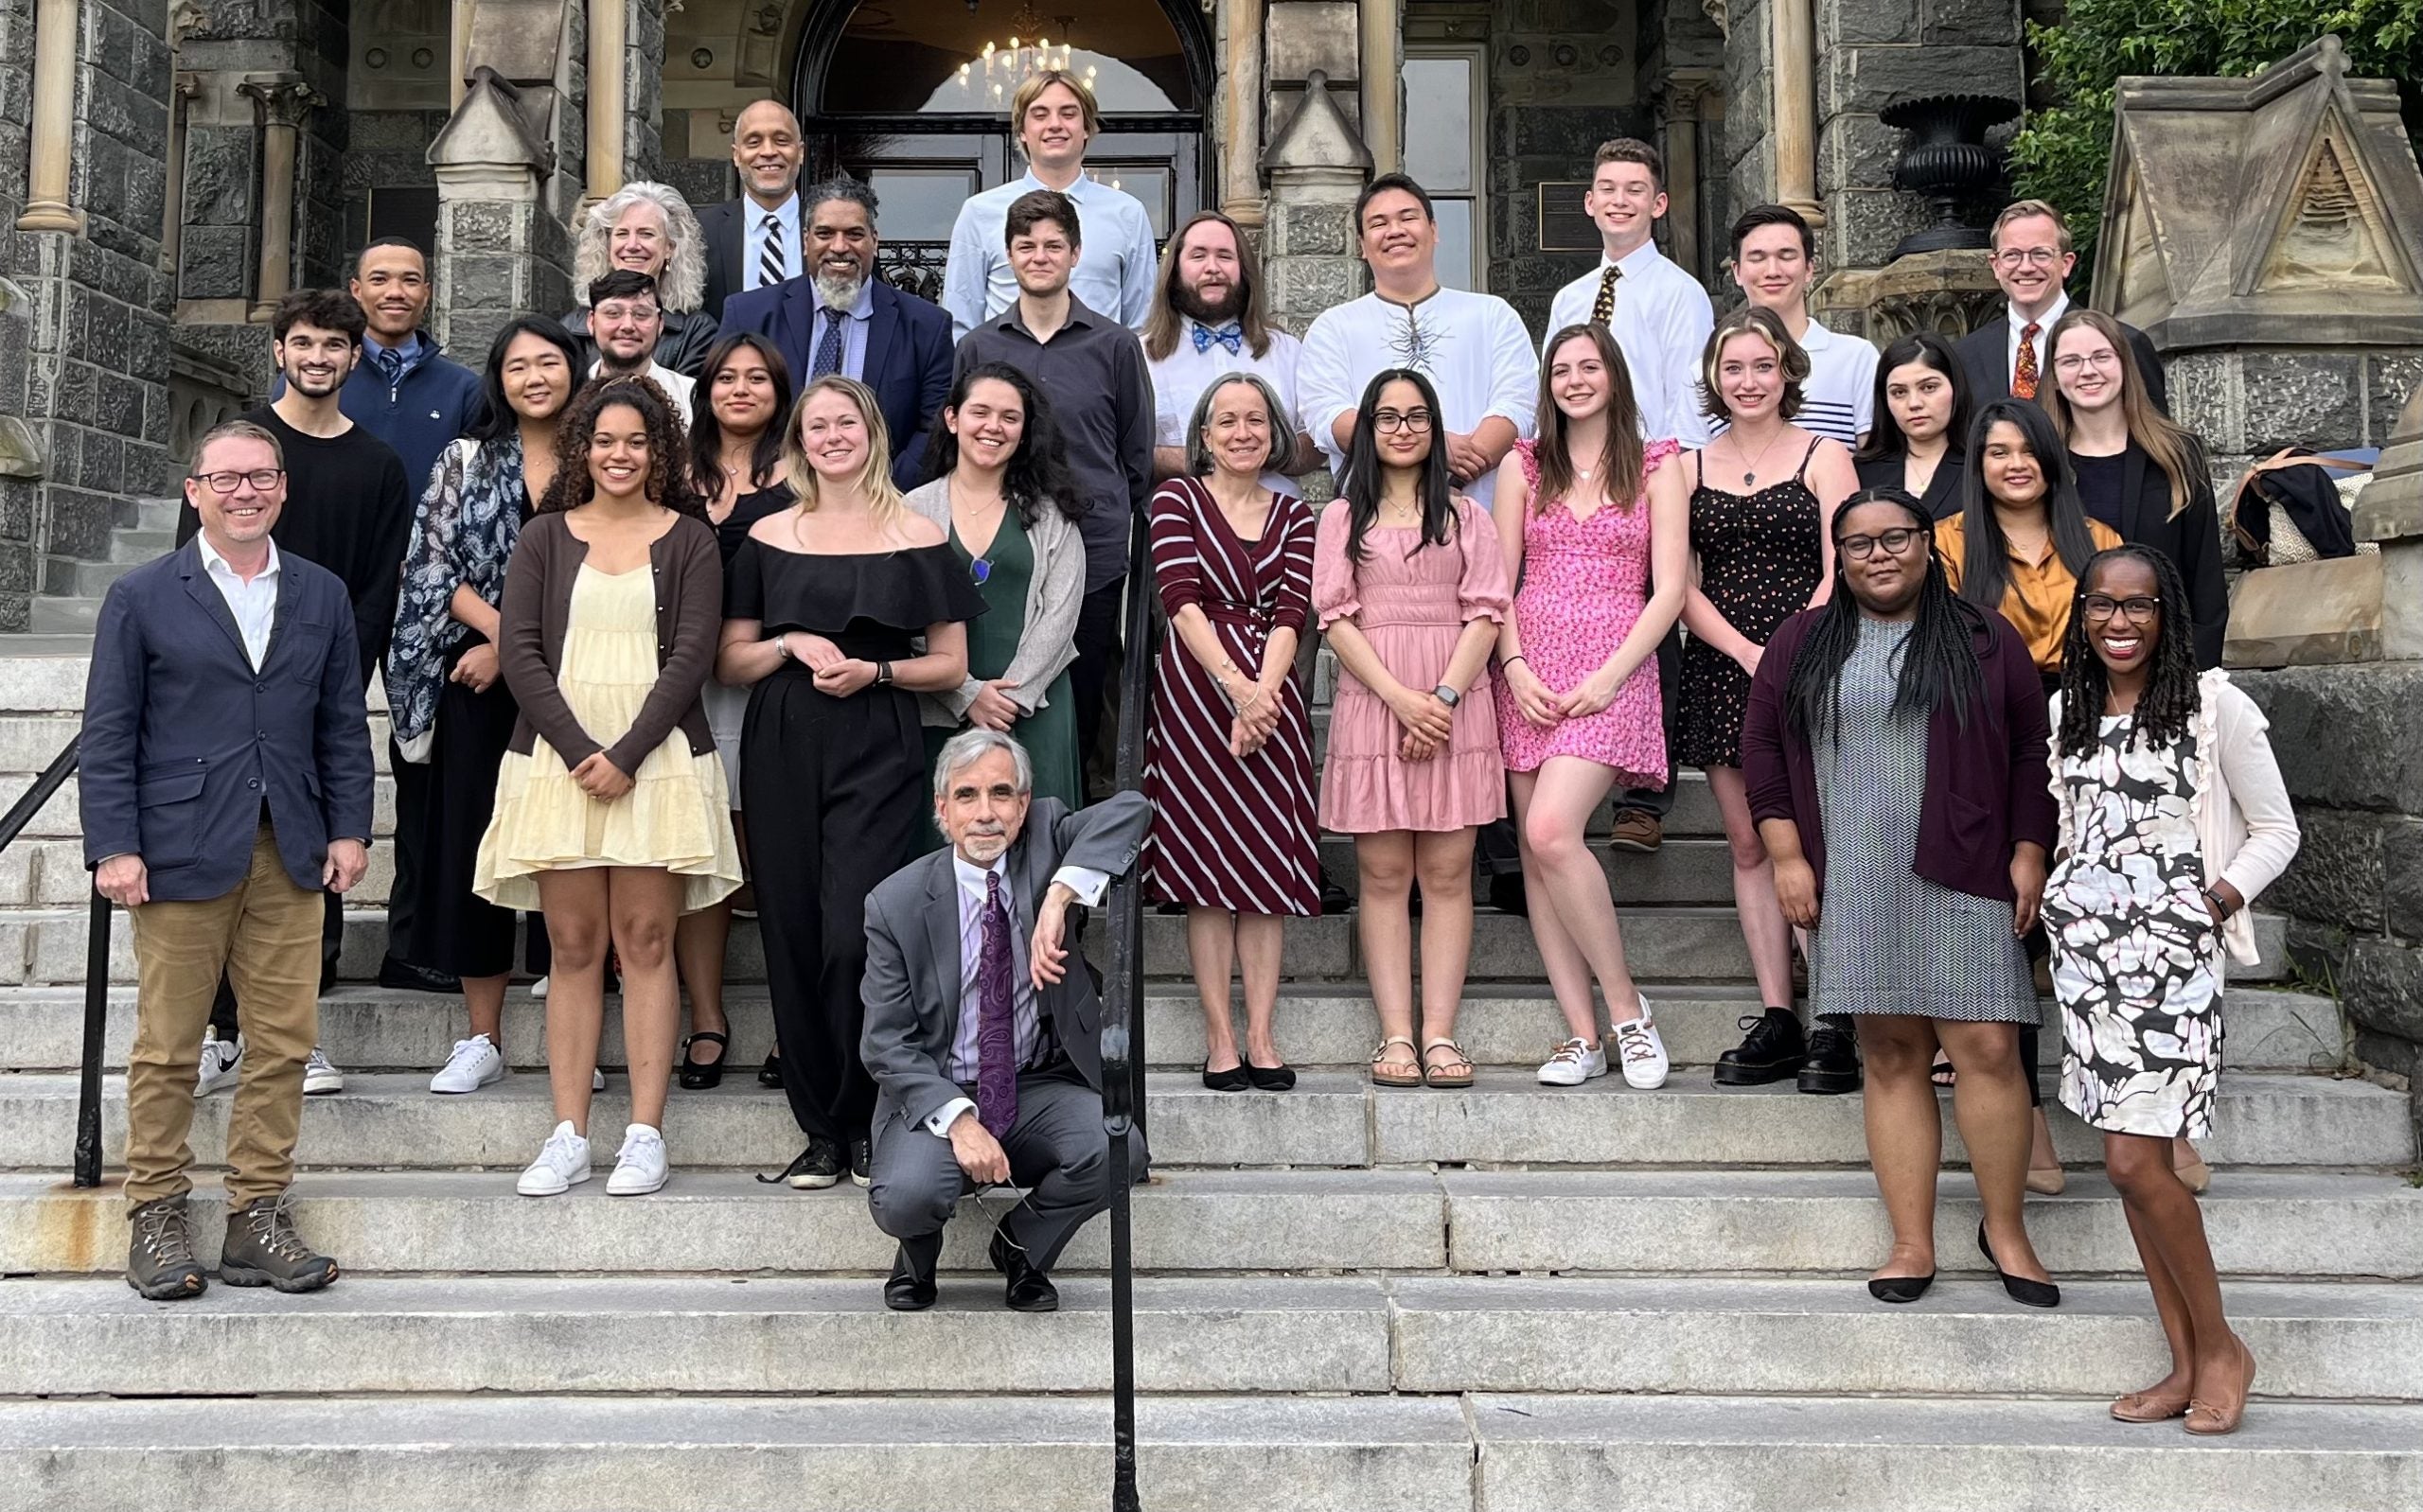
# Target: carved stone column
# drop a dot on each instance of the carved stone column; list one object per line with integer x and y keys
{"x": 52, "y": 131}
{"x": 182, "y": 89}
{"x": 608, "y": 26}
{"x": 1796, "y": 97}
{"x": 283, "y": 100}
{"x": 1240, "y": 94}
{"x": 1685, "y": 89}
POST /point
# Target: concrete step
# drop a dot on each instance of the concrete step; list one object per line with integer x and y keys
{"x": 370, "y": 1028}
{"x": 1333, "y": 1119}
{"x": 136, "y": 547}
{"x": 572, "y": 1454}
{"x": 77, "y": 579}
{"x": 1687, "y": 868}
{"x": 2292, "y": 1226}
{"x": 1717, "y": 1337}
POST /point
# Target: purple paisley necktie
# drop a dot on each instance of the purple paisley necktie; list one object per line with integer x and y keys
{"x": 997, "y": 1054}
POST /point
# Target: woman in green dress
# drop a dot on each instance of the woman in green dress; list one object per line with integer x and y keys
{"x": 1002, "y": 494}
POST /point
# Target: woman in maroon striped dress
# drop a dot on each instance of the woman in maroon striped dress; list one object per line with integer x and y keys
{"x": 1230, "y": 765}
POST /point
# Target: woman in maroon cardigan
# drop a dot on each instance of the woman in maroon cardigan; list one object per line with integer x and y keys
{"x": 1909, "y": 728}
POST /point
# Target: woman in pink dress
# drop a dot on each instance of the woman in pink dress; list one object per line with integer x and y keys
{"x": 1589, "y": 520}
{"x": 1409, "y": 585}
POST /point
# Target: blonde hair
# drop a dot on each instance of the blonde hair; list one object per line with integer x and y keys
{"x": 682, "y": 284}
{"x": 1753, "y": 320}
{"x": 1033, "y": 90}
{"x": 873, "y": 481}
{"x": 2172, "y": 445}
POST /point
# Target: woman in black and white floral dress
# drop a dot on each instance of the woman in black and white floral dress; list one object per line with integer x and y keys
{"x": 2172, "y": 818}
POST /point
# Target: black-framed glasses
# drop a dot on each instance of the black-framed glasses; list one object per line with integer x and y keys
{"x": 1896, "y": 541}
{"x": 263, "y": 479}
{"x": 1415, "y": 420}
{"x": 2139, "y": 610}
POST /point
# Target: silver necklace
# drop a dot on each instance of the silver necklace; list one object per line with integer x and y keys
{"x": 1750, "y": 470}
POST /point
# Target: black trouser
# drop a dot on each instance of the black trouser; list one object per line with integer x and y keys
{"x": 412, "y": 825}
{"x": 1098, "y": 660}
{"x": 1660, "y": 801}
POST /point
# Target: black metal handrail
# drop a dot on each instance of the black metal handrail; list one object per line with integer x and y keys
{"x": 1122, "y": 1029}
{"x": 97, "y": 967}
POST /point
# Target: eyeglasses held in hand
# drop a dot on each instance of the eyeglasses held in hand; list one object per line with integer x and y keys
{"x": 1415, "y": 420}
{"x": 2102, "y": 606}
{"x": 1860, "y": 548}
{"x": 263, "y": 479}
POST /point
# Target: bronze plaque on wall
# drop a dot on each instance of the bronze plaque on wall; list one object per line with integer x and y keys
{"x": 1565, "y": 225}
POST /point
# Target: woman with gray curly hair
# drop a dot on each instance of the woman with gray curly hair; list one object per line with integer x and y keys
{"x": 649, "y": 228}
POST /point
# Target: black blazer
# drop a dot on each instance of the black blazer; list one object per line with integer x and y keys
{"x": 2192, "y": 541}
{"x": 1943, "y": 496}
{"x": 727, "y": 227}
{"x": 1985, "y": 354}
{"x": 908, "y": 357}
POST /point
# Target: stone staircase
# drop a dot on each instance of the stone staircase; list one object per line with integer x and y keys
{"x": 71, "y": 602}
{"x": 1511, "y": 1299}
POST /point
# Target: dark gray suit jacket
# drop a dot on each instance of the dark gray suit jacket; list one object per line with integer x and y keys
{"x": 726, "y": 229}
{"x": 1985, "y": 354}
{"x": 912, "y": 988}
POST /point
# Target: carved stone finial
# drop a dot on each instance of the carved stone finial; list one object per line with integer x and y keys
{"x": 1317, "y": 136}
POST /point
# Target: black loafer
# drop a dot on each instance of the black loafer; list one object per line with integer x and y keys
{"x": 1271, "y": 1077}
{"x": 1029, "y": 1289}
{"x": 1901, "y": 1288}
{"x": 907, "y": 1290}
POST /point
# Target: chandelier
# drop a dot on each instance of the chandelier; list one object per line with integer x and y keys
{"x": 994, "y": 74}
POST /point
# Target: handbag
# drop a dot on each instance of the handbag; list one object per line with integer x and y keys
{"x": 2287, "y": 500}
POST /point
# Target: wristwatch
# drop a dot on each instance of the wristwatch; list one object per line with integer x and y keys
{"x": 883, "y": 673}
{"x": 1447, "y": 696}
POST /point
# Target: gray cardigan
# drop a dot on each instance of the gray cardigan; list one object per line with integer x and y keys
{"x": 1055, "y": 595}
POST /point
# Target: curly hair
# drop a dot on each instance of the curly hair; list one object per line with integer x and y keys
{"x": 2172, "y": 693}
{"x": 1037, "y": 473}
{"x": 1791, "y": 360}
{"x": 682, "y": 284}
{"x": 668, "y": 472}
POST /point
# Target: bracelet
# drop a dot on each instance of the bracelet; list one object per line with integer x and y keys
{"x": 2220, "y": 905}
{"x": 883, "y": 673}
{"x": 1504, "y": 662}
{"x": 782, "y": 645}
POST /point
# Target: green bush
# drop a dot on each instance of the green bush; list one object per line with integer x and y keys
{"x": 2064, "y": 154}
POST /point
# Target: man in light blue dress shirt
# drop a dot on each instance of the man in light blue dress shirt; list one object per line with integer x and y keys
{"x": 1054, "y": 117}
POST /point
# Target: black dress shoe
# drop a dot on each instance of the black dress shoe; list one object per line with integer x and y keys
{"x": 1271, "y": 1077}
{"x": 1772, "y": 1051}
{"x": 908, "y": 1290}
{"x": 1233, "y": 1079}
{"x": 863, "y": 1161}
{"x": 2025, "y": 1292}
{"x": 1833, "y": 1066}
{"x": 1030, "y": 1290}
{"x": 404, "y": 976}
{"x": 771, "y": 1074}
{"x": 1899, "y": 1288}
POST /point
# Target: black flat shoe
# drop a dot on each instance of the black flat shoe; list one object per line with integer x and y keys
{"x": 1271, "y": 1077}
{"x": 1029, "y": 1289}
{"x": 907, "y": 1290}
{"x": 1231, "y": 1079}
{"x": 771, "y": 1074}
{"x": 698, "y": 1076}
{"x": 2025, "y": 1292}
{"x": 1901, "y": 1288}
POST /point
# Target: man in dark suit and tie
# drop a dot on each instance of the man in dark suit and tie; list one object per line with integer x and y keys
{"x": 839, "y": 317}
{"x": 2032, "y": 259}
{"x": 983, "y": 1027}
{"x": 754, "y": 241}
{"x": 226, "y": 781}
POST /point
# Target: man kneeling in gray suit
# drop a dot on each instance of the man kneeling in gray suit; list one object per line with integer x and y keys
{"x": 985, "y": 1042}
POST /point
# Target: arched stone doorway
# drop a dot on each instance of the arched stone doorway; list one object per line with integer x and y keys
{"x": 905, "y": 94}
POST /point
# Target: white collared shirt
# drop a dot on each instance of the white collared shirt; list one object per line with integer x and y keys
{"x": 677, "y": 387}
{"x": 2044, "y": 327}
{"x": 1661, "y": 323}
{"x": 1115, "y": 257}
{"x": 1179, "y": 380}
{"x": 1026, "y": 1027}
{"x": 253, "y": 604}
{"x": 753, "y": 240}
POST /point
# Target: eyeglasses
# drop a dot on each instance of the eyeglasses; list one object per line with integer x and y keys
{"x": 263, "y": 479}
{"x": 1860, "y": 548}
{"x": 2020, "y": 256}
{"x": 2102, "y": 606}
{"x": 2073, "y": 361}
{"x": 1416, "y": 420}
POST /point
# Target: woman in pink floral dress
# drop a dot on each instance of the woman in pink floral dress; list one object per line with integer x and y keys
{"x": 1589, "y": 519}
{"x": 1409, "y": 582}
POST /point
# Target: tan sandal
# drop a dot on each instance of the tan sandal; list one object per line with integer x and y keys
{"x": 1448, "y": 1076}
{"x": 1394, "y": 1078}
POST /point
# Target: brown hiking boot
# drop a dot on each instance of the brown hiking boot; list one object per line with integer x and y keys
{"x": 1637, "y": 831}
{"x": 262, "y": 1249}
{"x": 160, "y": 1262}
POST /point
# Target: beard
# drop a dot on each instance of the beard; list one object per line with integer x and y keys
{"x": 312, "y": 386}
{"x": 1191, "y": 304}
{"x": 837, "y": 290}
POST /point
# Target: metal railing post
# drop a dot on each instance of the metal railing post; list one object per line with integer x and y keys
{"x": 97, "y": 1015}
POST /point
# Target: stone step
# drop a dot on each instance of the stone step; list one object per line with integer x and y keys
{"x": 63, "y": 616}
{"x": 1687, "y": 868}
{"x": 1477, "y": 1453}
{"x": 79, "y": 579}
{"x": 2297, "y": 1226}
{"x": 664, "y": 1334}
{"x": 1333, "y": 1119}
{"x": 370, "y": 1028}
{"x": 136, "y": 547}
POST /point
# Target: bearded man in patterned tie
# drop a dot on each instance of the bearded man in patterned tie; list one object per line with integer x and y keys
{"x": 983, "y": 1027}
{"x": 1208, "y": 321}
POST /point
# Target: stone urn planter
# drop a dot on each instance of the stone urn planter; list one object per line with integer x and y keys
{"x": 1947, "y": 161}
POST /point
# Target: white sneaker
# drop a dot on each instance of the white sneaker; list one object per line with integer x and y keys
{"x": 1642, "y": 1051}
{"x": 320, "y": 1077}
{"x": 538, "y": 989}
{"x": 562, "y": 1163}
{"x": 639, "y": 1166}
{"x": 474, "y": 1063}
{"x": 1574, "y": 1062}
{"x": 221, "y": 1061}
{"x": 596, "y": 1080}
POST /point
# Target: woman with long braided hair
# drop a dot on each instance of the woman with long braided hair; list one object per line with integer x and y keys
{"x": 1895, "y": 754}
{"x": 2173, "y": 817}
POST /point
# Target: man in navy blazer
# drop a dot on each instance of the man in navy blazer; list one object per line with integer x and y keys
{"x": 226, "y": 780}
{"x": 2032, "y": 259}
{"x": 839, "y": 317}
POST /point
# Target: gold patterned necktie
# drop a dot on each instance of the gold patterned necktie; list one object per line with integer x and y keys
{"x": 1602, "y": 309}
{"x": 2023, "y": 375}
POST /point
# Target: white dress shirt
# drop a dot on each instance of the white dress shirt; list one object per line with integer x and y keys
{"x": 1472, "y": 347}
{"x": 1026, "y": 1027}
{"x": 1661, "y": 324}
{"x": 1179, "y": 380}
{"x": 676, "y": 386}
{"x": 2044, "y": 327}
{"x": 753, "y": 240}
{"x": 1115, "y": 257}
{"x": 253, "y": 604}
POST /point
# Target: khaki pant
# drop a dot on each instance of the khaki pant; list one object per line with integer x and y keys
{"x": 265, "y": 934}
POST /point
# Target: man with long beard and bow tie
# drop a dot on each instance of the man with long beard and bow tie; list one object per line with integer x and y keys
{"x": 1209, "y": 321}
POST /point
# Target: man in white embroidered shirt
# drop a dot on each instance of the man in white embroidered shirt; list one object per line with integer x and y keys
{"x": 1659, "y": 314}
{"x": 983, "y": 1023}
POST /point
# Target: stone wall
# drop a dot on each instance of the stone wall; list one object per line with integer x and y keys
{"x": 1561, "y": 80}
{"x": 1749, "y": 142}
{"x": 2249, "y": 402}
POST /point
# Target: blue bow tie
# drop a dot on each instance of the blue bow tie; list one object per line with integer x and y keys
{"x": 1231, "y": 335}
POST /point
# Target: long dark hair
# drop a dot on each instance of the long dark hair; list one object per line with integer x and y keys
{"x": 668, "y": 477}
{"x": 501, "y": 419}
{"x": 1038, "y": 472}
{"x": 706, "y": 432}
{"x": 1360, "y": 483}
{"x": 2172, "y": 692}
{"x": 1938, "y": 660}
{"x": 1984, "y": 576}
{"x": 1621, "y": 466}
{"x": 1886, "y": 442}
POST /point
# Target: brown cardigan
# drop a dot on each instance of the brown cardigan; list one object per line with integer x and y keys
{"x": 688, "y": 568}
